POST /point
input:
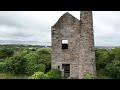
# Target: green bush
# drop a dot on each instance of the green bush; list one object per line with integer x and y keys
{"x": 39, "y": 75}
{"x": 15, "y": 65}
{"x": 40, "y": 67}
{"x": 114, "y": 69}
{"x": 54, "y": 74}
{"x": 32, "y": 58}
{"x": 35, "y": 68}
{"x": 32, "y": 63}
{"x": 45, "y": 57}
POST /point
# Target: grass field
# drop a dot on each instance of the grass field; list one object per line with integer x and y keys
{"x": 11, "y": 76}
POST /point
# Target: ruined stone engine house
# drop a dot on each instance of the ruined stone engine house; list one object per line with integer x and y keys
{"x": 73, "y": 50}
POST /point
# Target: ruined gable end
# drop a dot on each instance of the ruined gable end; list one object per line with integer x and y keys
{"x": 65, "y": 19}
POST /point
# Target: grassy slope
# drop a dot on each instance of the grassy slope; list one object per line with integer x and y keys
{"x": 11, "y": 76}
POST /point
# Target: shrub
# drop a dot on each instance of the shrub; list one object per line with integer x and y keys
{"x": 15, "y": 65}
{"x": 54, "y": 74}
{"x": 46, "y": 60}
{"x": 103, "y": 57}
{"x": 2, "y": 65}
{"x": 31, "y": 68}
{"x": 39, "y": 75}
{"x": 32, "y": 58}
{"x": 87, "y": 76}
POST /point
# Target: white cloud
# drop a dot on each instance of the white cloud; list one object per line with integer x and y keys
{"x": 106, "y": 28}
{"x": 36, "y": 26}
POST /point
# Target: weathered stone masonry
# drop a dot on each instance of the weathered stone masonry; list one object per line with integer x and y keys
{"x": 79, "y": 58}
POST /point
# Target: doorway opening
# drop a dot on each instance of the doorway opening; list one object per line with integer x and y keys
{"x": 66, "y": 68}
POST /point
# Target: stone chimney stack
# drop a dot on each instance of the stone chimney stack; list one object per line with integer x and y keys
{"x": 87, "y": 48}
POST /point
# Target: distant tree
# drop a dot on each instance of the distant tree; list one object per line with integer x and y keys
{"x": 4, "y": 53}
{"x": 102, "y": 58}
{"x": 22, "y": 53}
{"x": 109, "y": 61}
{"x": 116, "y": 53}
{"x": 44, "y": 50}
{"x": 114, "y": 69}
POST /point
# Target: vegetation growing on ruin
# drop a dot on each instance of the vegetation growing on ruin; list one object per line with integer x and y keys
{"x": 87, "y": 76}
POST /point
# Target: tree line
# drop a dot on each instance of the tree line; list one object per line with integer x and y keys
{"x": 33, "y": 62}
{"x": 36, "y": 62}
{"x": 108, "y": 60}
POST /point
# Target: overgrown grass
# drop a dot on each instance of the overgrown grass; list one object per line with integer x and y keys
{"x": 11, "y": 76}
{"x": 101, "y": 74}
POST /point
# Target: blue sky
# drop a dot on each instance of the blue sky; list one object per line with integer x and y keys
{"x": 36, "y": 26}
